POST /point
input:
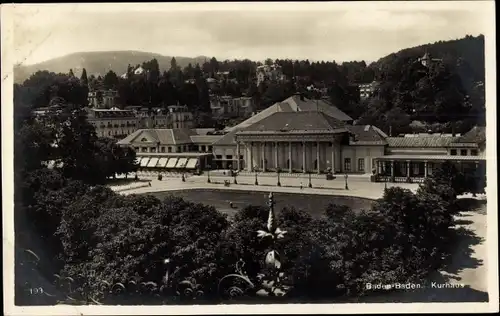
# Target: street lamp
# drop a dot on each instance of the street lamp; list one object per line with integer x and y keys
{"x": 256, "y": 181}
{"x": 346, "y": 186}
{"x": 310, "y": 184}
{"x": 278, "y": 170}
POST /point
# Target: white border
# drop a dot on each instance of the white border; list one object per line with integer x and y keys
{"x": 487, "y": 7}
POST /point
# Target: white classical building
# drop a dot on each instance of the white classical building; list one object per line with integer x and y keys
{"x": 301, "y": 135}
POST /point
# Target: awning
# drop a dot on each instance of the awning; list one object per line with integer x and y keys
{"x": 181, "y": 163}
{"x": 152, "y": 163}
{"x": 171, "y": 163}
{"x": 162, "y": 163}
{"x": 144, "y": 161}
{"x": 191, "y": 164}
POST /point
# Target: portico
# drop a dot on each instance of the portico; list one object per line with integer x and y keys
{"x": 272, "y": 151}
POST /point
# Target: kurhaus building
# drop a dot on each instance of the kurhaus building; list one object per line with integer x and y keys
{"x": 301, "y": 135}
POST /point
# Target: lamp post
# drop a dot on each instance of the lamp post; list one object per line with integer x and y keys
{"x": 256, "y": 181}
{"x": 278, "y": 171}
{"x": 346, "y": 186}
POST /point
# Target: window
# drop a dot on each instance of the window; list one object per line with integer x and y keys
{"x": 136, "y": 149}
{"x": 162, "y": 149}
{"x": 109, "y": 133}
{"x": 169, "y": 149}
{"x": 179, "y": 149}
{"x": 144, "y": 149}
{"x": 453, "y": 152}
{"x": 241, "y": 157}
{"x": 153, "y": 149}
{"x": 361, "y": 164}
{"x": 209, "y": 148}
{"x": 203, "y": 148}
{"x": 229, "y": 157}
{"x": 347, "y": 164}
{"x": 218, "y": 156}
{"x": 463, "y": 152}
{"x": 473, "y": 152}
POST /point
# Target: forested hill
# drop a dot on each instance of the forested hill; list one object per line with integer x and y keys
{"x": 99, "y": 63}
{"x": 467, "y": 51}
{"x": 449, "y": 91}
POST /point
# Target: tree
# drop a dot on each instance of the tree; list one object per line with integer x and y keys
{"x": 110, "y": 80}
{"x": 84, "y": 80}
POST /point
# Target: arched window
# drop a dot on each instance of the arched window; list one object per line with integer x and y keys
{"x": 144, "y": 139}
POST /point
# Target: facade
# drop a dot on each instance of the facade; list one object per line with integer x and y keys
{"x": 427, "y": 60}
{"x": 102, "y": 99}
{"x": 231, "y": 107}
{"x": 113, "y": 122}
{"x": 366, "y": 89}
{"x": 119, "y": 123}
{"x": 175, "y": 149}
{"x": 415, "y": 158}
{"x": 269, "y": 73}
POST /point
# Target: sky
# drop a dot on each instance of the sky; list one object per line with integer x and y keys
{"x": 315, "y": 31}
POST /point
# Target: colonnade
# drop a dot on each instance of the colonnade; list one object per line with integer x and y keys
{"x": 288, "y": 156}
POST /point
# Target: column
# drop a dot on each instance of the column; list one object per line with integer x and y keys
{"x": 238, "y": 155}
{"x": 303, "y": 157}
{"x": 290, "y": 157}
{"x": 276, "y": 148}
{"x": 317, "y": 157}
{"x": 250, "y": 162}
{"x": 425, "y": 169}
{"x": 333, "y": 157}
{"x": 392, "y": 168}
{"x": 408, "y": 168}
{"x": 263, "y": 149}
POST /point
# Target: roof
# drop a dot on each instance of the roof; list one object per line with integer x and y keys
{"x": 420, "y": 141}
{"x": 295, "y": 104}
{"x": 227, "y": 139}
{"x": 163, "y": 136}
{"x": 476, "y": 135}
{"x": 366, "y": 135}
{"x": 205, "y": 139}
{"x": 297, "y": 121}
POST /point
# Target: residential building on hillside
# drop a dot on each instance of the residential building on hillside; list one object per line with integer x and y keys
{"x": 269, "y": 73}
{"x": 231, "y": 107}
{"x": 102, "y": 99}
{"x": 427, "y": 60}
{"x": 366, "y": 89}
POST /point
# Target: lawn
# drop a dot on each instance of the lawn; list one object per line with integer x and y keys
{"x": 220, "y": 199}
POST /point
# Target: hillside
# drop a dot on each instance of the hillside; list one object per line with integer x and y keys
{"x": 469, "y": 49}
{"x": 99, "y": 63}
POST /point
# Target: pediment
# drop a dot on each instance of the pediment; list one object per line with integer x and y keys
{"x": 144, "y": 137}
